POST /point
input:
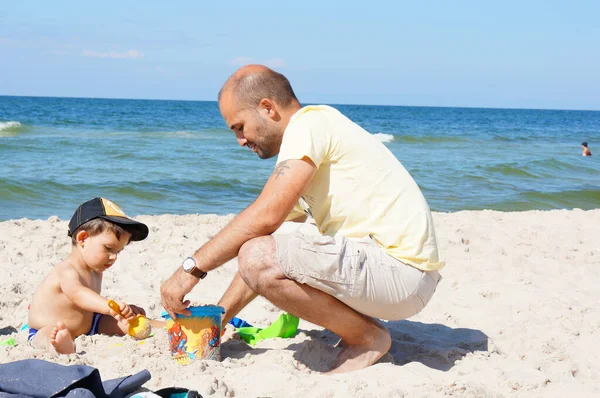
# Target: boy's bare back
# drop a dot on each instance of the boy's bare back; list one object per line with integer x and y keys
{"x": 50, "y": 304}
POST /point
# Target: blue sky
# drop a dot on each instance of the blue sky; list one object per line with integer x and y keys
{"x": 516, "y": 54}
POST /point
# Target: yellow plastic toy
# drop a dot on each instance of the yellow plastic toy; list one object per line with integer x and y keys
{"x": 139, "y": 327}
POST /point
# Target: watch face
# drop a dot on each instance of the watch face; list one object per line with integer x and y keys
{"x": 188, "y": 264}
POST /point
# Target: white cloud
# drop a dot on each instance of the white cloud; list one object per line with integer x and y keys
{"x": 131, "y": 54}
{"x": 241, "y": 61}
{"x": 275, "y": 63}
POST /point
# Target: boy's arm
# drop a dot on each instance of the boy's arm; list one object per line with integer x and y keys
{"x": 81, "y": 295}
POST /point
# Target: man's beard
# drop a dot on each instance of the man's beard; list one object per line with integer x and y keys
{"x": 268, "y": 145}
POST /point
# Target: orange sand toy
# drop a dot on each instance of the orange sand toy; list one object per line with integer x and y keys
{"x": 139, "y": 327}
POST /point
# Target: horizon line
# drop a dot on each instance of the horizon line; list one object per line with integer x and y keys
{"x": 311, "y": 103}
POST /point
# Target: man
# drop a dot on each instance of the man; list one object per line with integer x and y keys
{"x": 369, "y": 249}
{"x": 586, "y": 150}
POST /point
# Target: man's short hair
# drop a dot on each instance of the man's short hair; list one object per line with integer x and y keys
{"x": 96, "y": 227}
{"x": 250, "y": 89}
{"x": 584, "y": 144}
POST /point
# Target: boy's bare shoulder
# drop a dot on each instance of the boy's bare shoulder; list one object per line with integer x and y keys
{"x": 65, "y": 270}
{"x": 59, "y": 273}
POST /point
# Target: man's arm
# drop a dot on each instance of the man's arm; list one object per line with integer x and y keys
{"x": 279, "y": 195}
{"x": 281, "y": 192}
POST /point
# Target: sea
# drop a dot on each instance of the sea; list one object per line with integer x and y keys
{"x": 179, "y": 157}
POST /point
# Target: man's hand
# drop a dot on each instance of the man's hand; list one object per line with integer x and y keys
{"x": 137, "y": 310}
{"x": 173, "y": 291}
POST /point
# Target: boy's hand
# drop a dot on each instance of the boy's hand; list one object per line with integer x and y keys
{"x": 126, "y": 313}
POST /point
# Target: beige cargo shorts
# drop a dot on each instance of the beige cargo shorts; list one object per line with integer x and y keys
{"x": 358, "y": 272}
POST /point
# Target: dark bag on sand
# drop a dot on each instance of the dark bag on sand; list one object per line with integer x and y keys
{"x": 37, "y": 378}
{"x": 177, "y": 392}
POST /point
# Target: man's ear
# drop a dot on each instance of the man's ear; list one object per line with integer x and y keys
{"x": 269, "y": 108}
{"x": 81, "y": 237}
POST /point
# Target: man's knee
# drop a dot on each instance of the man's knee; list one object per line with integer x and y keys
{"x": 256, "y": 260}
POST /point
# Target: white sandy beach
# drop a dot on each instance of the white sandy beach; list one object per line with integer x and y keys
{"x": 515, "y": 315}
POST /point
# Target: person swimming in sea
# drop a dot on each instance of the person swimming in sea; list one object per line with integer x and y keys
{"x": 586, "y": 150}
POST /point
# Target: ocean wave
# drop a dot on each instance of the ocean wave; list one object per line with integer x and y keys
{"x": 553, "y": 165}
{"x": 586, "y": 199}
{"x": 11, "y": 189}
{"x": 174, "y": 134}
{"x": 177, "y": 134}
{"x": 505, "y": 138}
{"x": 510, "y": 169}
{"x": 429, "y": 139}
{"x": 413, "y": 139}
{"x": 40, "y": 198}
{"x": 10, "y": 128}
{"x": 384, "y": 137}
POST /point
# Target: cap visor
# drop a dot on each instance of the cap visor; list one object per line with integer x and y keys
{"x": 138, "y": 230}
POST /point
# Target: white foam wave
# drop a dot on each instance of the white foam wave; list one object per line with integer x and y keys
{"x": 9, "y": 125}
{"x": 384, "y": 137}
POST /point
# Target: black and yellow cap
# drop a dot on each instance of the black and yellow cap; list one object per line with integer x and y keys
{"x": 107, "y": 210}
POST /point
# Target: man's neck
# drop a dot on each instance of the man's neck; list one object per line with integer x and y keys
{"x": 287, "y": 113}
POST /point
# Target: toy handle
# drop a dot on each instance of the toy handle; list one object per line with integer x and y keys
{"x": 114, "y": 306}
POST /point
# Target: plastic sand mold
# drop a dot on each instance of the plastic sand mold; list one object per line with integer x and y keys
{"x": 285, "y": 326}
{"x": 9, "y": 342}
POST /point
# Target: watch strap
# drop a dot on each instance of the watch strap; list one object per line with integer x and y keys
{"x": 195, "y": 271}
{"x": 198, "y": 273}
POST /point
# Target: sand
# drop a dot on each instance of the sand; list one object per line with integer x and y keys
{"x": 515, "y": 315}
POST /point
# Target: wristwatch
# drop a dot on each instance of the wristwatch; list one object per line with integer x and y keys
{"x": 189, "y": 266}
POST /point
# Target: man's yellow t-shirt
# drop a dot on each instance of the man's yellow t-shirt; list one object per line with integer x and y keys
{"x": 360, "y": 188}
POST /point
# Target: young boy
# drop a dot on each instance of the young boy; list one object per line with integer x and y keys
{"x": 68, "y": 303}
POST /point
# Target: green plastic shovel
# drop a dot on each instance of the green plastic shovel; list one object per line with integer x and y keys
{"x": 285, "y": 326}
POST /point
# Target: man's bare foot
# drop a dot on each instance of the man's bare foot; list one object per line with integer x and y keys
{"x": 359, "y": 356}
{"x": 60, "y": 340}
